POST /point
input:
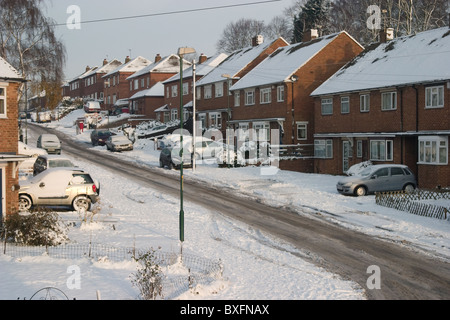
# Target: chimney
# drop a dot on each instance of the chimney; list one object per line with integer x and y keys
{"x": 105, "y": 62}
{"x": 257, "y": 40}
{"x": 386, "y": 35}
{"x": 127, "y": 59}
{"x": 202, "y": 58}
{"x": 310, "y": 35}
{"x": 158, "y": 58}
{"x": 88, "y": 68}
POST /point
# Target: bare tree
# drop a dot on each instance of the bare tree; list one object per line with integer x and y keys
{"x": 280, "y": 26}
{"x": 239, "y": 34}
{"x": 29, "y": 43}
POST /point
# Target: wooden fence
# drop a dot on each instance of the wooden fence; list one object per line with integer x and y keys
{"x": 411, "y": 202}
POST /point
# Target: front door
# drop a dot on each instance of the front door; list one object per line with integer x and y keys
{"x": 346, "y": 154}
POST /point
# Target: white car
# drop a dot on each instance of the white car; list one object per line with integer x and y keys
{"x": 119, "y": 143}
{"x": 59, "y": 187}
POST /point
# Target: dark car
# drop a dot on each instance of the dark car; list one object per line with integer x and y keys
{"x": 99, "y": 137}
{"x": 170, "y": 157}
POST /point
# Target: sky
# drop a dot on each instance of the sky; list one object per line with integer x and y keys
{"x": 162, "y": 30}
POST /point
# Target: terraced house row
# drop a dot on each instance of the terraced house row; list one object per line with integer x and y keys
{"x": 334, "y": 102}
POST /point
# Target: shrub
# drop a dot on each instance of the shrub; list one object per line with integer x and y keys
{"x": 149, "y": 277}
{"x": 37, "y": 228}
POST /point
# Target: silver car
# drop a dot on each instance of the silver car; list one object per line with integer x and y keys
{"x": 119, "y": 143}
{"x": 378, "y": 178}
{"x": 59, "y": 187}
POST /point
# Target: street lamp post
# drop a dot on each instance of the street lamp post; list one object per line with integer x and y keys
{"x": 229, "y": 82}
{"x": 181, "y": 53}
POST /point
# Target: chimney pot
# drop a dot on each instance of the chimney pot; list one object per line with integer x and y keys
{"x": 105, "y": 62}
{"x": 158, "y": 58}
{"x": 386, "y": 35}
{"x": 127, "y": 59}
{"x": 88, "y": 68}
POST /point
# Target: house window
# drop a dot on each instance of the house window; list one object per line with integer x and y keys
{"x": 389, "y": 101}
{"x": 142, "y": 83}
{"x": 174, "y": 91}
{"x": 302, "y": 130}
{"x": 262, "y": 130}
{"x": 280, "y": 93}
{"x": 433, "y": 150}
{"x": 327, "y": 106}
{"x": 174, "y": 114}
{"x": 136, "y": 84}
{"x": 249, "y": 97}
{"x": 131, "y": 85}
{"x": 185, "y": 89}
{"x": 237, "y": 98}
{"x": 382, "y": 150}
{"x": 364, "y": 103}
{"x": 2, "y": 103}
{"x": 199, "y": 93}
{"x": 215, "y": 120}
{"x": 208, "y": 92}
{"x": 434, "y": 97}
{"x": 167, "y": 92}
{"x": 166, "y": 117}
{"x": 265, "y": 95}
{"x": 219, "y": 89}
{"x": 359, "y": 149}
{"x": 202, "y": 117}
{"x": 323, "y": 149}
{"x": 345, "y": 105}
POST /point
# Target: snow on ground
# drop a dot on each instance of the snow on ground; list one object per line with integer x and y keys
{"x": 256, "y": 266}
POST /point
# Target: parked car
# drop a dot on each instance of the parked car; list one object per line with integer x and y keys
{"x": 60, "y": 187}
{"x": 44, "y": 162}
{"x": 170, "y": 157}
{"x": 27, "y": 165}
{"x": 92, "y": 106}
{"x": 378, "y": 178}
{"x": 99, "y": 137}
{"x": 50, "y": 143}
{"x": 119, "y": 143}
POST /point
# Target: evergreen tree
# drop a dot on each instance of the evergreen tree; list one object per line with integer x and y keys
{"x": 313, "y": 15}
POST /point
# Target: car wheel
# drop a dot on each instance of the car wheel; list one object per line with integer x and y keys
{"x": 360, "y": 191}
{"x": 409, "y": 188}
{"x": 25, "y": 203}
{"x": 81, "y": 203}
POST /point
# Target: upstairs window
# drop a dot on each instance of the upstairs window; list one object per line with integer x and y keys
{"x": 389, "y": 101}
{"x": 2, "y": 102}
{"x": 266, "y": 95}
{"x": 249, "y": 97}
{"x": 219, "y": 89}
{"x": 434, "y": 97}
{"x": 345, "y": 105}
{"x": 208, "y": 92}
{"x": 280, "y": 93}
{"x": 327, "y": 106}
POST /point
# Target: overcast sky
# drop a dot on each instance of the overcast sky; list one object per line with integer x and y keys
{"x": 147, "y": 36}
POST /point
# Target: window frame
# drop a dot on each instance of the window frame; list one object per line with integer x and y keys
{"x": 326, "y": 147}
{"x": 364, "y": 102}
{"x": 250, "y": 97}
{"x": 302, "y": 126}
{"x": 207, "y": 92}
{"x": 265, "y": 95}
{"x": 387, "y": 148}
{"x": 280, "y": 93}
{"x": 3, "y": 98}
{"x": 392, "y": 100}
{"x": 437, "y": 140}
{"x": 440, "y": 97}
{"x": 348, "y": 105}
{"x": 325, "y": 104}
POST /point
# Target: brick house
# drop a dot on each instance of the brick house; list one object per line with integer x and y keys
{"x": 146, "y": 101}
{"x": 170, "y": 110}
{"x": 213, "y": 99}
{"x": 93, "y": 82}
{"x": 10, "y": 82}
{"x": 116, "y": 85}
{"x": 76, "y": 85}
{"x": 144, "y": 79}
{"x": 391, "y": 104}
{"x": 276, "y": 93}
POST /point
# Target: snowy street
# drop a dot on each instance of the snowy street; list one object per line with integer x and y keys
{"x": 256, "y": 264}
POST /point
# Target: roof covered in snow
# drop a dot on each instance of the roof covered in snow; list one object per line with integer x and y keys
{"x": 201, "y": 69}
{"x": 8, "y": 72}
{"x": 420, "y": 58}
{"x": 133, "y": 65}
{"x": 236, "y": 62}
{"x": 283, "y": 63}
{"x": 156, "y": 91}
{"x": 168, "y": 64}
{"x": 113, "y": 64}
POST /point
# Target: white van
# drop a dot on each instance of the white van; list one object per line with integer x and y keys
{"x": 50, "y": 143}
{"x": 92, "y": 106}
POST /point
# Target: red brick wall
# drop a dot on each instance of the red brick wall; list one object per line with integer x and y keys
{"x": 121, "y": 89}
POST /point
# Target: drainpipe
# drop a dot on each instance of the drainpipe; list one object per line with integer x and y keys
{"x": 402, "y": 139}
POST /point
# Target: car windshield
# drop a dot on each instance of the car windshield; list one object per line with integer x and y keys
{"x": 366, "y": 172}
{"x": 104, "y": 133}
{"x": 120, "y": 139}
